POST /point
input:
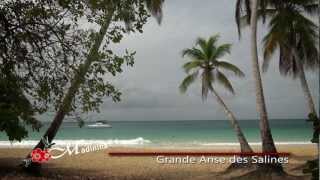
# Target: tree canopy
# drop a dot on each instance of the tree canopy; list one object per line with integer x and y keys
{"x": 205, "y": 60}
{"x": 42, "y": 44}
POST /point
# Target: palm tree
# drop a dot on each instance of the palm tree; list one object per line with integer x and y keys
{"x": 154, "y": 6}
{"x": 296, "y": 38}
{"x": 250, "y": 8}
{"x": 205, "y": 64}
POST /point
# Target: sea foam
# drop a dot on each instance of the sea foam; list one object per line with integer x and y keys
{"x": 256, "y": 143}
{"x": 140, "y": 141}
{"x": 84, "y": 142}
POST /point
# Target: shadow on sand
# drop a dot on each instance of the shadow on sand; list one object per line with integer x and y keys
{"x": 10, "y": 169}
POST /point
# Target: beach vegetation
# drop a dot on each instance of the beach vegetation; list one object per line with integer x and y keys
{"x": 99, "y": 58}
{"x": 296, "y": 37}
{"x": 206, "y": 64}
{"x": 292, "y": 33}
{"x": 248, "y": 9}
{"x": 37, "y": 53}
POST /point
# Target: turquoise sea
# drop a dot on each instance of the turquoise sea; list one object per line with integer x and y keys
{"x": 172, "y": 133}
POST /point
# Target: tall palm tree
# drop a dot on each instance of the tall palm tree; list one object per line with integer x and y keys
{"x": 296, "y": 37}
{"x": 154, "y": 6}
{"x": 250, "y": 8}
{"x": 205, "y": 64}
{"x": 297, "y": 44}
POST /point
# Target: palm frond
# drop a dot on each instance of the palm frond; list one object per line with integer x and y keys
{"x": 266, "y": 13}
{"x": 203, "y": 46}
{"x": 287, "y": 62}
{"x": 211, "y": 45}
{"x": 213, "y": 40}
{"x": 311, "y": 9}
{"x": 155, "y": 8}
{"x": 188, "y": 81}
{"x": 204, "y": 58}
{"x": 310, "y": 53}
{"x": 270, "y": 44}
{"x": 192, "y": 65}
{"x": 307, "y": 44}
{"x": 243, "y": 7}
{"x": 223, "y": 80}
{"x": 291, "y": 29}
{"x": 230, "y": 67}
{"x": 221, "y": 51}
{"x": 193, "y": 53}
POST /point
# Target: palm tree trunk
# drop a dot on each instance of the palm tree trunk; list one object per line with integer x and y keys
{"x": 244, "y": 145}
{"x": 306, "y": 90}
{"x": 304, "y": 83}
{"x": 75, "y": 84}
{"x": 268, "y": 145}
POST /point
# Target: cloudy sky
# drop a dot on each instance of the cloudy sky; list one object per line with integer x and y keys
{"x": 150, "y": 88}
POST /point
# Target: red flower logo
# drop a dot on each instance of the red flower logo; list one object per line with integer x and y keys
{"x": 46, "y": 155}
{"x": 40, "y": 156}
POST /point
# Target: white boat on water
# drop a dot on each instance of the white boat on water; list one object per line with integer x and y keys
{"x": 99, "y": 124}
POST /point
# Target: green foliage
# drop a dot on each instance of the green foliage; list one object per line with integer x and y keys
{"x": 187, "y": 81}
{"x": 313, "y": 165}
{"x": 43, "y": 46}
{"x": 290, "y": 29}
{"x": 15, "y": 110}
{"x": 155, "y": 8}
{"x": 243, "y": 11}
{"x": 316, "y": 127}
{"x": 205, "y": 61}
{"x": 313, "y": 169}
{"x": 39, "y": 48}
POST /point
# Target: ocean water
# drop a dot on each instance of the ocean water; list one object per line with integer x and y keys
{"x": 171, "y": 133}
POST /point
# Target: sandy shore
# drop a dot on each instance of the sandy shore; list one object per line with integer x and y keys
{"x": 99, "y": 165}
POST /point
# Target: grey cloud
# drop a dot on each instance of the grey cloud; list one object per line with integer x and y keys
{"x": 150, "y": 88}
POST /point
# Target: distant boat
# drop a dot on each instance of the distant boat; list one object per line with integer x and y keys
{"x": 99, "y": 124}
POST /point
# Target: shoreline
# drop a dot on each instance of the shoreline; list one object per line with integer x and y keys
{"x": 140, "y": 143}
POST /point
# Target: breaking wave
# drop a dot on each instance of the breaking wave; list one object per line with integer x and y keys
{"x": 58, "y": 142}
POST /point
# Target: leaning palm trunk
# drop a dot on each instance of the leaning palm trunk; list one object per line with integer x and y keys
{"x": 244, "y": 145}
{"x": 268, "y": 145}
{"x": 304, "y": 83}
{"x": 306, "y": 90}
{"x": 75, "y": 84}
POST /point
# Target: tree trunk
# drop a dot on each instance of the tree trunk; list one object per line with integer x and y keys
{"x": 268, "y": 145}
{"x": 304, "y": 83}
{"x": 306, "y": 90}
{"x": 74, "y": 87}
{"x": 244, "y": 145}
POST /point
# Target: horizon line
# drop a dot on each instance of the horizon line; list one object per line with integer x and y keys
{"x": 173, "y": 120}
